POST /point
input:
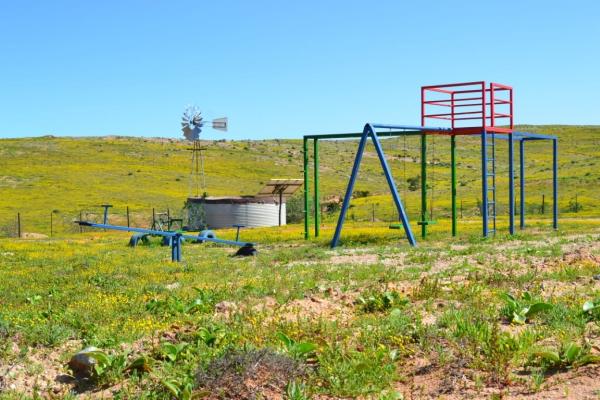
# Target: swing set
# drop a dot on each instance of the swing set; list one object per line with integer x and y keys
{"x": 469, "y": 108}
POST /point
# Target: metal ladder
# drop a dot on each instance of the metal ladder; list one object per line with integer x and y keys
{"x": 491, "y": 180}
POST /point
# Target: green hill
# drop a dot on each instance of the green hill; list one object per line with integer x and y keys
{"x": 65, "y": 176}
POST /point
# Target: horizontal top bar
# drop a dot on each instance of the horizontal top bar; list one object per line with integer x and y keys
{"x": 444, "y": 87}
{"x": 453, "y": 85}
{"x": 535, "y": 136}
{"x": 358, "y": 134}
{"x": 408, "y": 127}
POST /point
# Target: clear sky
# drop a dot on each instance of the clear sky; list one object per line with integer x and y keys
{"x": 283, "y": 68}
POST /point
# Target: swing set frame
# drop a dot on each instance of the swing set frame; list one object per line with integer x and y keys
{"x": 468, "y": 101}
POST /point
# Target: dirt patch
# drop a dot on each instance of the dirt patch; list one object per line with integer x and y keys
{"x": 582, "y": 254}
{"x": 363, "y": 259}
{"x": 337, "y": 306}
{"x": 33, "y": 235}
{"x": 39, "y": 371}
{"x": 425, "y": 379}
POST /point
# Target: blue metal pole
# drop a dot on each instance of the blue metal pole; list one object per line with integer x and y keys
{"x": 555, "y": 183}
{"x": 522, "y": 184}
{"x": 393, "y": 188}
{"x": 511, "y": 184}
{"x": 484, "y": 182}
{"x": 173, "y": 249}
{"x": 350, "y": 187}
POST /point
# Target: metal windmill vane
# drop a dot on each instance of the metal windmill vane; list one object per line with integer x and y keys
{"x": 191, "y": 125}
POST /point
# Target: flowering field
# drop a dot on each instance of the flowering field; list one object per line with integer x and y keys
{"x": 453, "y": 318}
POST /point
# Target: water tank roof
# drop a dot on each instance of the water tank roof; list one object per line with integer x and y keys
{"x": 233, "y": 199}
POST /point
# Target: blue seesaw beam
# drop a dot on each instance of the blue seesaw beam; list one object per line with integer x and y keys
{"x": 176, "y": 237}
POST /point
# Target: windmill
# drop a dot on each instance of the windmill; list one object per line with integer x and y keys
{"x": 191, "y": 125}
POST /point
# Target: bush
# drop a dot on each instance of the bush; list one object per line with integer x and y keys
{"x": 414, "y": 183}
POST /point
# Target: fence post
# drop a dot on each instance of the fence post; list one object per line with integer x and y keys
{"x": 18, "y": 225}
{"x": 461, "y": 209}
{"x": 128, "y": 216}
{"x": 543, "y": 203}
{"x": 373, "y": 212}
{"x": 153, "y": 219}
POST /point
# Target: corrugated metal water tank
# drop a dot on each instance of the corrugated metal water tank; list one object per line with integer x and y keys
{"x": 225, "y": 212}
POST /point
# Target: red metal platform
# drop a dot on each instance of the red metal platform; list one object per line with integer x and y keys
{"x": 468, "y": 108}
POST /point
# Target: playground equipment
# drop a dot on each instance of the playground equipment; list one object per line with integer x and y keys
{"x": 174, "y": 238}
{"x": 469, "y": 108}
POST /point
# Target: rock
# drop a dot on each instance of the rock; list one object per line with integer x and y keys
{"x": 173, "y": 286}
{"x": 82, "y": 363}
{"x": 225, "y": 307}
{"x": 596, "y": 277}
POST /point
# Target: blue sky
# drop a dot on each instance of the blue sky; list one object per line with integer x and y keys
{"x": 283, "y": 69}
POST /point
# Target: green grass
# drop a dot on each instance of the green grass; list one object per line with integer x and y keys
{"x": 360, "y": 320}
{"x": 68, "y": 175}
{"x": 60, "y": 295}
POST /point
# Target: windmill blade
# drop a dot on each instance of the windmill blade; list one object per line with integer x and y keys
{"x": 186, "y": 132}
{"x": 191, "y": 134}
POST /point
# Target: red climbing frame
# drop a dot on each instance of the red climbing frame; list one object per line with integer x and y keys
{"x": 468, "y": 108}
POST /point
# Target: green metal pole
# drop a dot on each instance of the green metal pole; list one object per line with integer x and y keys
{"x": 453, "y": 172}
{"x": 316, "y": 184}
{"x": 306, "y": 194}
{"x": 423, "y": 185}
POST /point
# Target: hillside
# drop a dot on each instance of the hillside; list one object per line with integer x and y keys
{"x": 68, "y": 175}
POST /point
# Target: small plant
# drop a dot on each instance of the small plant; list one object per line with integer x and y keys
{"x": 390, "y": 395}
{"x": 569, "y": 356}
{"x": 414, "y": 183}
{"x": 173, "y": 305}
{"x": 180, "y": 389}
{"x": 211, "y": 336}
{"x": 358, "y": 194}
{"x": 591, "y": 310}
{"x": 296, "y": 391}
{"x": 298, "y": 350}
{"x": 428, "y": 288}
{"x": 519, "y": 311}
{"x": 173, "y": 352}
{"x": 380, "y": 301}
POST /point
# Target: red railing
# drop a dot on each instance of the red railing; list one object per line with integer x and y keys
{"x": 468, "y": 107}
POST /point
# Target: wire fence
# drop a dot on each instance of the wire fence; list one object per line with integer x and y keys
{"x": 53, "y": 223}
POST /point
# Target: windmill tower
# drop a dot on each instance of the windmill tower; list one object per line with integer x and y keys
{"x": 191, "y": 125}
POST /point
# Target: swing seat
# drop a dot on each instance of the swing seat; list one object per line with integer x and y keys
{"x": 432, "y": 222}
{"x": 396, "y": 226}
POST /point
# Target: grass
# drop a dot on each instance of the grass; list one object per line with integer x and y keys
{"x": 354, "y": 325}
{"x": 65, "y": 176}
{"x": 366, "y": 320}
